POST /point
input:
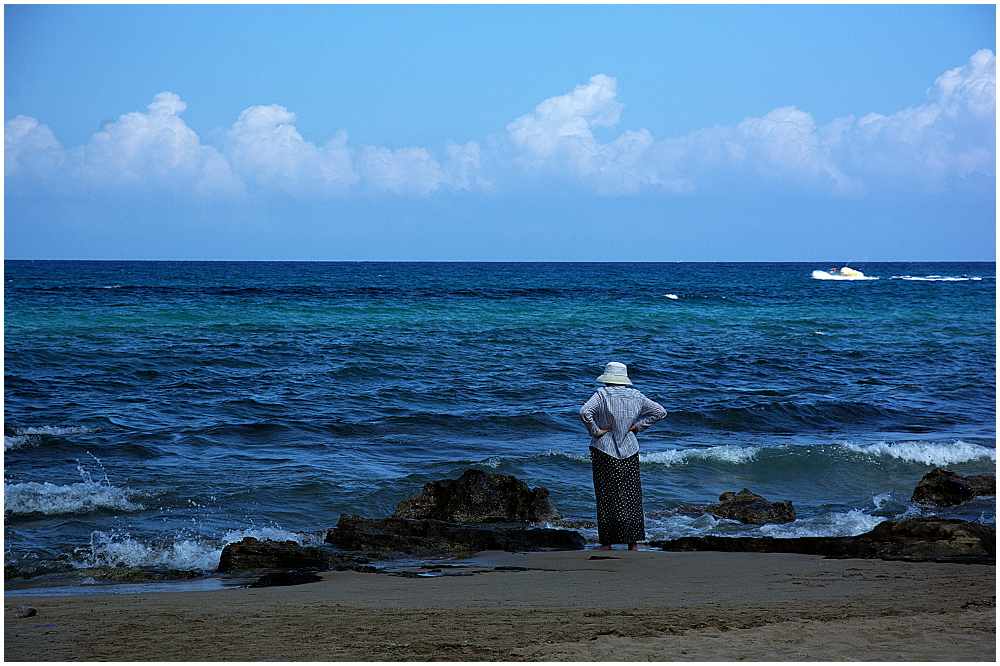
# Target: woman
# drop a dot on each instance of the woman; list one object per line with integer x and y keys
{"x": 614, "y": 415}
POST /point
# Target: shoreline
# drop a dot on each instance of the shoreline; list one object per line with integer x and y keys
{"x": 544, "y": 606}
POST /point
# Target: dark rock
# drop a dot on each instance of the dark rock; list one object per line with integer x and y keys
{"x": 928, "y": 538}
{"x": 31, "y": 568}
{"x": 251, "y": 553}
{"x": 433, "y": 537}
{"x": 538, "y": 538}
{"x": 478, "y": 497}
{"x": 934, "y": 537}
{"x": 25, "y": 611}
{"x": 750, "y": 508}
{"x": 123, "y": 574}
{"x": 276, "y": 578}
{"x": 942, "y": 487}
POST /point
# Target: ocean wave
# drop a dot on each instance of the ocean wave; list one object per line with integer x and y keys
{"x": 21, "y": 499}
{"x": 52, "y": 430}
{"x": 726, "y": 453}
{"x": 575, "y": 457}
{"x": 936, "y": 278}
{"x": 182, "y": 553}
{"x": 937, "y": 454}
{"x": 676, "y": 524}
{"x": 833, "y": 524}
{"x": 20, "y": 437}
{"x": 785, "y": 416}
{"x": 12, "y": 442}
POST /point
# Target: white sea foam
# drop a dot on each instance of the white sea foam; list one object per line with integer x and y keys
{"x": 852, "y": 523}
{"x": 884, "y": 500}
{"x": 674, "y": 525}
{"x": 51, "y": 499}
{"x": 53, "y": 430}
{"x": 25, "y": 436}
{"x": 576, "y": 457}
{"x": 183, "y": 553}
{"x": 936, "y": 278}
{"x": 736, "y": 455}
{"x": 273, "y": 533}
{"x": 12, "y": 442}
{"x": 672, "y": 297}
{"x": 938, "y": 454}
{"x": 113, "y": 550}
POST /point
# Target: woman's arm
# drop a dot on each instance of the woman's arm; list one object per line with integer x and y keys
{"x": 588, "y": 414}
{"x": 650, "y": 413}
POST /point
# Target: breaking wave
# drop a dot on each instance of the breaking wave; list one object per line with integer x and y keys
{"x": 19, "y": 437}
{"x": 834, "y": 524}
{"x": 25, "y": 499}
{"x": 727, "y": 453}
{"x": 929, "y": 453}
{"x": 12, "y": 442}
{"x": 674, "y": 524}
{"x": 184, "y": 554}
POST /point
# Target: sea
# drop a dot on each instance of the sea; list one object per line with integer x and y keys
{"x": 156, "y": 411}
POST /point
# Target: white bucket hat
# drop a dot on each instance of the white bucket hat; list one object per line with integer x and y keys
{"x": 615, "y": 373}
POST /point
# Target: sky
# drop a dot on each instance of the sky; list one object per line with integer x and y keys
{"x": 827, "y": 133}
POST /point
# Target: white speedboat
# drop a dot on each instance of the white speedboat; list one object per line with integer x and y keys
{"x": 844, "y": 273}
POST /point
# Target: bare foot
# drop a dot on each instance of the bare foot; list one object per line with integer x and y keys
{"x": 603, "y": 546}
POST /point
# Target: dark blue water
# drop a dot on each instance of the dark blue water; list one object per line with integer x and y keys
{"x": 155, "y": 411}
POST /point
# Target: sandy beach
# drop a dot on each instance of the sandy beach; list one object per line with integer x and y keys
{"x": 563, "y": 606}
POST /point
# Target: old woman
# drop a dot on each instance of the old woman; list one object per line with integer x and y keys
{"x": 613, "y": 416}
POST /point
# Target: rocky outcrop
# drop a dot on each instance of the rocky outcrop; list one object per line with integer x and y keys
{"x": 750, "y": 508}
{"x": 251, "y": 553}
{"x": 436, "y": 537}
{"x": 475, "y": 512}
{"x": 942, "y": 487}
{"x": 928, "y": 538}
{"x": 478, "y": 497}
{"x": 933, "y": 537}
{"x": 280, "y": 578}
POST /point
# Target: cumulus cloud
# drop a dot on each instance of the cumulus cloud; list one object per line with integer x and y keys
{"x": 266, "y": 151}
{"x": 154, "y": 150}
{"x": 31, "y": 151}
{"x": 558, "y": 131}
{"x": 951, "y": 136}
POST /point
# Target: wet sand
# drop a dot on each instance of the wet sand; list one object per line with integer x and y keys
{"x": 567, "y": 606}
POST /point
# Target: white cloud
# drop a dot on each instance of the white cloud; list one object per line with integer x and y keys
{"x": 31, "y": 151}
{"x": 266, "y": 151}
{"x": 559, "y": 128}
{"x": 951, "y": 136}
{"x": 400, "y": 171}
{"x": 154, "y": 150}
{"x": 462, "y": 166}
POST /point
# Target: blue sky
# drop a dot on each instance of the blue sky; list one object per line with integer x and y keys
{"x": 828, "y": 133}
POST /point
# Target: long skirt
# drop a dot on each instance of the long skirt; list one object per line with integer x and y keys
{"x": 619, "y": 498}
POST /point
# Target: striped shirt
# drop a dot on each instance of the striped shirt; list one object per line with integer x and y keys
{"x": 618, "y": 408}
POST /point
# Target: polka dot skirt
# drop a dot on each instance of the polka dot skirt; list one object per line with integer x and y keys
{"x": 619, "y": 498}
